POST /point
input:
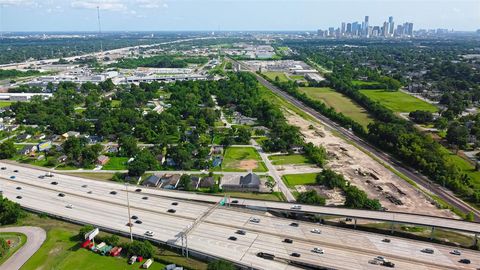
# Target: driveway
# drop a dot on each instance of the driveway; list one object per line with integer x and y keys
{"x": 35, "y": 238}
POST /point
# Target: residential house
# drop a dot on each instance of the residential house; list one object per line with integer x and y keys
{"x": 217, "y": 150}
{"x": 102, "y": 160}
{"x": 170, "y": 181}
{"x": 27, "y": 150}
{"x": 195, "y": 181}
{"x": 53, "y": 137}
{"x": 133, "y": 179}
{"x": 23, "y": 137}
{"x": 249, "y": 183}
{"x": 112, "y": 149}
{"x": 62, "y": 158}
{"x": 152, "y": 181}
{"x": 206, "y": 182}
{"x": 71, "y": 134}
{"x": 160, "y": 158}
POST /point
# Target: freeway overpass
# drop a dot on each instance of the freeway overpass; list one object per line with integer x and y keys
{"x": 94, "y": 203}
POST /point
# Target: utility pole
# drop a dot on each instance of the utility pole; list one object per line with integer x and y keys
{"x": 129, "y": 216}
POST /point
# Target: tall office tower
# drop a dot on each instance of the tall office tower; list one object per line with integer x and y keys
{"x": 349, "y": 28}
{"x": 410, "y": 29}
{"x": 342, "y": 33}
{"x": 385, "y": 29}
{"x": 355, "y": 29}
{"x": 331, "y": 31}
{"x": 391, "y": 24}
{"x": 366, "y": 26}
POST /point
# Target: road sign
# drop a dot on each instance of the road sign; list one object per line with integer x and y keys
{"x": 90, "y": 235}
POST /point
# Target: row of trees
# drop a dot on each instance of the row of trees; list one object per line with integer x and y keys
{"x": 159, "y": 61}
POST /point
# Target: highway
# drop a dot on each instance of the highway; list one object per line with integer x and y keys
{"x": 421, "y": 180}
{"x": 344, "y": 249}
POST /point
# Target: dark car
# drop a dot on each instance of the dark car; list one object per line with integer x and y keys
{"x": 41, "y": 176}
{"x": 138, "y": 190}
{"x": 241, "y": 232}
{"x": 174, "y": 203}
{"x": 15, "y": 170}
{"x": 294, "y": 254}
{"x": 113, "y": 192}
{"x": 129, "y": 224}
{"x": 61, "y": 195}
{"x": 145, "y": 198}
{"x": 4, "y": 168}
{"x": 134, "y": 217}
{"x": 12, "y": 177}
{"x": 54, "y": 183}
{"x": 19, "y": 188}
{"x": 171, "y": 211}
{"x": 89, "y": 192}
{"x": 84, "y": 186}
{"x": 233, "y": 238}
{"x": 234, "y": 201}
{"x": 138, "y": 221}
{"x": 386, "y": 240}
{"x": 267, "y": 256}
{"x": 294, "y": 224}
{"x": 287, "y": 240}
{"x": 465, "y": 261}
{"x": 19, "y": 197}
{"x": 388, "y": 264}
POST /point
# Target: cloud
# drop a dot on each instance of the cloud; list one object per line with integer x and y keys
{"x": 112, "y": 5}
{"x": 18, "y": 2}
{"x": 149, "y": 4}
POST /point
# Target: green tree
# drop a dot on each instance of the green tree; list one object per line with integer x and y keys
{"x": 220, "y": 265}
{"x": 144, "y": 161}
{"x": 4, "y": 247}
{"x": 7, "y": 150}
{"x": 310, "y": 197}
{"x": 140, "y": 248}
{"x": 128, "y": 146}
{"x": 85, "y": 229}
{"x": 331, "y": 179}
{"x": 10, "y": 211}
{"x": 185, "y": 182}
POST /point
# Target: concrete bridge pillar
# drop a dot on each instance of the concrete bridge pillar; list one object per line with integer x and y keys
{"x": 432, "y": 234}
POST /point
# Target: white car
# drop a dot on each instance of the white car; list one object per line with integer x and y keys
{"x": 70, "y": 206}
{"x": 254, "y": 220}
{"x": 456, "y": 252}
{"x": 380, "y": 258}
{"x": 149, "y": 233}
{"x": 317, "y": 231}
{"x": 296, "y": 207}
{"x": 318, "y": 250}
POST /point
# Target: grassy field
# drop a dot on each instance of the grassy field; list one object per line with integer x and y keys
{"x": 273, "y": 74}
{"x": 291, "y": 180}
{"x": 362, "y": 83}
{"x": 93, "y": 175}
{"x": 399, "y": 101}
{"x": 295, "y": 159}
{"x": 116, "y": 163}
{"x": 466, "y": 167}
{"x": 17, "y": 239}
{"x": 4, "y": 104}
{"x": 339, "y": 102}
{"x": 274, "y": 196}
{"x": 235, "y": 156}
{"x": 62, "y": 250}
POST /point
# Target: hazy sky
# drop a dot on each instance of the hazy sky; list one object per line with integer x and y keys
{"x": 163, "y": 15}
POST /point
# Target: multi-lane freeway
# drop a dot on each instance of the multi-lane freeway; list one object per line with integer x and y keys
{"x": 385, "y": 158}
{"x": 94, "y": 202}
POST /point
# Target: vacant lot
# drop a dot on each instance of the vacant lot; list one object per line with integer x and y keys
{"x": 273, "y": 74}
{"x": 242, "y": 159}
{"x": 294, "y": 159}
{"x": 339, "y": 102}
{"x": 5, "y": 104}
{"x": 399, "y": 101}
{"x": 292, "y": 180}
{"x": 116, "y": 163}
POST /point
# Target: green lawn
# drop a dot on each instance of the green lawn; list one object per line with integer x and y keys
{"x": 291, "y": 180}
{"x": 116, "y": 163}
{"x": 466, "y": 167}
{"x": 361, "y": 83}
{"x": 297, "y": 77}
{"x": 339, "y": 102}
{"x": 17, "y": 240}
{"x": 399, "y": 101}
{"x": 274, "y": 196}
{"x": 61, "y": 250}
{"x": 295, "y": 159}
{"x": 273, "y": 74}
{"x": 238, "y": 159}
{"x": 4, "y": 104}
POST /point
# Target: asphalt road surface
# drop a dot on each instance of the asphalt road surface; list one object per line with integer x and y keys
{"x": 35, "y": 238}
{"x": 344, "y": 249}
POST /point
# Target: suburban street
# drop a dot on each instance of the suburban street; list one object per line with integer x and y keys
{"x": 107, "y": 210}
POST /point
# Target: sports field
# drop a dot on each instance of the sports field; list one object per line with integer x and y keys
{"x": 399, "y": 101}
{"x": 291, "y": 180}
{"x": 339, "y": 102}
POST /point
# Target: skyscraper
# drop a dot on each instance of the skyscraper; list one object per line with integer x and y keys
{"x": 343, "y": 29}
{"x": 385, "y": 29}
{"x": 366, "y": 26}
{"x": 391, "y": 24}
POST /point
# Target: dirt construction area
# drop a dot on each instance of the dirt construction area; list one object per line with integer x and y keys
{"x": 248, "y": 164}
{"x": 361, "y": 170}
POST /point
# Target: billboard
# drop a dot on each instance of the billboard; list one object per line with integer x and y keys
{"x": 43, "y": 146}
{"x": 90, "y": 235}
